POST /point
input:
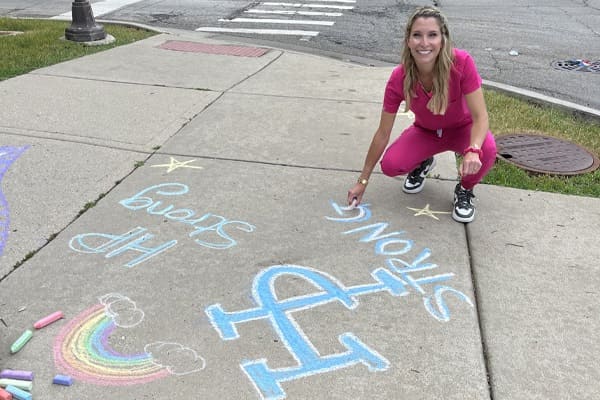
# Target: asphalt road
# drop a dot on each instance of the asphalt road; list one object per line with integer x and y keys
{"x": 528, "y": 44}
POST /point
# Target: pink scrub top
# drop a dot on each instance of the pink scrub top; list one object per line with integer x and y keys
{"x": 464, "y": 79}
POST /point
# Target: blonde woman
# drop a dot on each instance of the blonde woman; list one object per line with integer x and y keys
{"x": 441, "y": 86}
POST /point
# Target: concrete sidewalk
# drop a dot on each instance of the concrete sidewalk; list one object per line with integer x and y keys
{"x": 204, "y": 178}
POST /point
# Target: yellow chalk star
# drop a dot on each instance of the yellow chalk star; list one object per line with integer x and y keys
{"x": 174, "y": 164}
{"x": 426, "y": 211}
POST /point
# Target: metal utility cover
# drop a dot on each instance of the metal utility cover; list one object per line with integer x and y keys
{"x": 196, "y": 47}
{"x": 577, "y": 65}
{"x": 545, "y": 154}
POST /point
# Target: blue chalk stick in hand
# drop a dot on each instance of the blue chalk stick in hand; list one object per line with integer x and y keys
{"x": 62, "y": 380}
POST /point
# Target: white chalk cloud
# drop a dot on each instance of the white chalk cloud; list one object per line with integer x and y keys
{"x": 176, "y": 358}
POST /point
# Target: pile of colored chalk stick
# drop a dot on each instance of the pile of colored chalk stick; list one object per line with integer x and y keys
{"x": 17, "y": 385}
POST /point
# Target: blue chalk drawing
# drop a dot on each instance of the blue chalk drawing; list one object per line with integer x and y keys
{"x": 204, "y": 225}
{"x": 266, "y": 380}
{"x": 397, "y": 279}
{"x": 364, "y": 213}
{"x": 435, "y": 304}
{"x": 8, "y": 155}
{"x": 114, "y": 245}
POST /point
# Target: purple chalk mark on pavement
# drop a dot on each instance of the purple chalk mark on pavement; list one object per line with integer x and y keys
{"x": 8, "y": 155}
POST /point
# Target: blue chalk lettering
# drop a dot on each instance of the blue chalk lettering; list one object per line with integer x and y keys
{"x": 218, "y": 228}
{"x": 442, "y": 313}
{"x": 81, "y": 243}
{"x": 416, "y": 265}
{"x": 382, "y": 243}
{"x": 416, "y": 283}
{"x": 186, "y": 213}
{"x": 147, "y": 252}
{"x": 96, "y": 243}
{"x": 151, "y": 209}
{"x": 364, "y": 214}
{"x": 137, "y": 201}
{"x": 376, "y": 232}
{"x": 383, "y": 240}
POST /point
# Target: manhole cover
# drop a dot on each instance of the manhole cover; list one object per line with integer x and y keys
{"x": 195, "y": 47}
{"x": 545, "y": 154}
{"x": 577, "y": 65}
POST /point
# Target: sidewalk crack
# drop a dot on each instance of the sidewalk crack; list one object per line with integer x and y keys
{"x": 482, "y": 334}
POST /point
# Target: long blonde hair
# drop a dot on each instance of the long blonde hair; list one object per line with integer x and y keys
{"x": 441, "y": 70}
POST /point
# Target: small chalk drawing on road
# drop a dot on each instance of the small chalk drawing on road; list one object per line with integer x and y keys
{"x": 83, "y": 351}
{"x": 427, "y": 212}
{"x": 175, "y": 164}
{"x": 8, "y": 155}
{"x": 397, "y": 279}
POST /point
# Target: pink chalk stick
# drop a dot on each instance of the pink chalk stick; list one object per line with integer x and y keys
{"x": 4, "y": 395}
{"x": 48, "y": 320}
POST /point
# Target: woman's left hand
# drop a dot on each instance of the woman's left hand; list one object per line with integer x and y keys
{"x": 470, "y": 164}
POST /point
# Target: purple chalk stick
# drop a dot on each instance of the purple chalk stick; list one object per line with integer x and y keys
{"x": 15, "y": 374}
{"x": 63, "y": 380}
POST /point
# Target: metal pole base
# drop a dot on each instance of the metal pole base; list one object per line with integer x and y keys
{"x": 83, "y": 27}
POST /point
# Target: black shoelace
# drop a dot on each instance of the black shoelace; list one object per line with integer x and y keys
{"x": 463, "y": 198}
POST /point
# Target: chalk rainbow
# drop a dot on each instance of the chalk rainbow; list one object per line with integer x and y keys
{"x": 82, "y": 350}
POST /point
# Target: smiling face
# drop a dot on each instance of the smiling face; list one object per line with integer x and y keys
{"x": 425, "y": 42}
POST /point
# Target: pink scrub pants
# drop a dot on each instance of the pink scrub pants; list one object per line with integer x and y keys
{"x": 417, "y": 144}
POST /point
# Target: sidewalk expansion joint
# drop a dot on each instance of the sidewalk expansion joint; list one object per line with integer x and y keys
{"x": 476, "y": 296}
{"x": 267, "y": 65}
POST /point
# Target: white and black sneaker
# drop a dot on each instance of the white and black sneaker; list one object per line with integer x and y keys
{"x": 415, "y": 181}
{"x": 464, "y": 210}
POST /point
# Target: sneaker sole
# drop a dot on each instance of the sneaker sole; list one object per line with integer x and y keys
{"x": 464, "y": 220}
{"x": 419, "y": 188}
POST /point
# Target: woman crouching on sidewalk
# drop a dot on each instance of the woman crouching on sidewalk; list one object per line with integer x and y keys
{"x": 441, "y": 86}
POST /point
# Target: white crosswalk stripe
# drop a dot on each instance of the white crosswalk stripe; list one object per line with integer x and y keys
{"x": 302, "y": 5}
{"x": 294, "y": 12}
{"x": 279, "y": 21}
{"x": 289, "y": 13}
{"x": 101, "y": 8}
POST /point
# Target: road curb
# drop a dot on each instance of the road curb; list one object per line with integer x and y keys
{"x": 530, "y": 95}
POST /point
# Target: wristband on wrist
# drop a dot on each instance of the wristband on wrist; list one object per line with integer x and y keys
{"x": 472, "y": 149}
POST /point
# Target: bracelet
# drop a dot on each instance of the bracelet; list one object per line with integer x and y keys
{"x": 472, "y": 149}
{"x": 363, "y": 181}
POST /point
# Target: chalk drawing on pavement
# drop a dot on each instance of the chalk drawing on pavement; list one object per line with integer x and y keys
{"x": 175, "y": 164}
{"x": 393, "y": 244}
{"x": 268, "y": 380}
{"x": 400, "y": 277}
{"x": 208, "y": 230}
{"x": 427, "y": 212}
{"x": 8, "y": 155}
{"x": 83, "y": 351}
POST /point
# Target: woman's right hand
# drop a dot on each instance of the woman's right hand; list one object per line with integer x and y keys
{"x": 356, "y": 193}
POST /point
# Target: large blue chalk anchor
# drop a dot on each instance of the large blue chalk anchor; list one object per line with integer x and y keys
{"x": 267, "y": 380}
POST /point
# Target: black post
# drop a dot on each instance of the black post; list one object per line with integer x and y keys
{"x": 83, "y": 27}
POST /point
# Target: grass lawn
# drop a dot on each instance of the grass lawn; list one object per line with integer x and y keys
{"x": 40, "y": 46}
{"x": 509, "y": 115}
